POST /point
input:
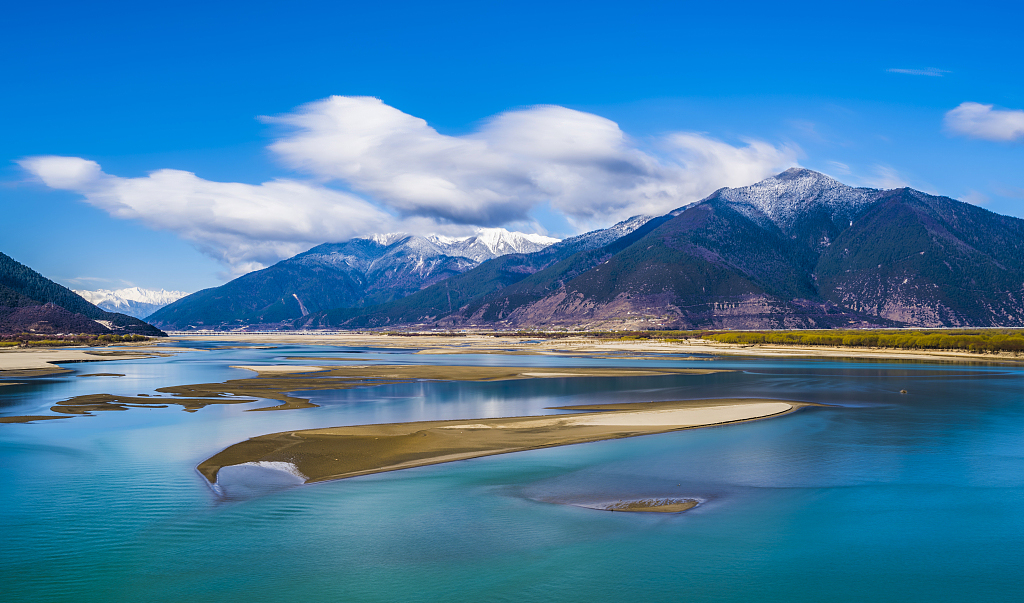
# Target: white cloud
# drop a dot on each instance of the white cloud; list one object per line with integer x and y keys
{"x": 412, "y": 178}
{"x": 929, "y": 71}
{"x": 244, "y": 226}
{"x": 976, "y": 120}
{"x": 582, "y": 164}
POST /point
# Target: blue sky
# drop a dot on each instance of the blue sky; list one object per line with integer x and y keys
{"x": 700, "y": 95}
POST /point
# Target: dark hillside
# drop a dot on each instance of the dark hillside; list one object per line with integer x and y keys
{"x": 30, "y": 301}
{"x": 929, "y": 261}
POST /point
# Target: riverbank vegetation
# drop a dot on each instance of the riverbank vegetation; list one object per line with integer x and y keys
{"x": 970, "y": 340}
{"x": 976, "y": 340}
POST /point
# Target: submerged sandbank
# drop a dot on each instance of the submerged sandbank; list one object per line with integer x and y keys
{"x": 654, "y": 505}
{"x": 276, "y": 382}
{"x": 341, "y": 452}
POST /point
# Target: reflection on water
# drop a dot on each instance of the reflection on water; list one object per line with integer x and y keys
{"x": 881, "y": 496}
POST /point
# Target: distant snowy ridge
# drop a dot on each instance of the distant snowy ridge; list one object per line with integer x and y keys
{"x": 399, "y": 251}
{"x": 133, "y": 301}
{"x": 486, "y": 244}
{"x": 489, "y": 243}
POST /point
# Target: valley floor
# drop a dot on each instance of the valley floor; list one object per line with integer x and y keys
{"x": 34, "y": 362}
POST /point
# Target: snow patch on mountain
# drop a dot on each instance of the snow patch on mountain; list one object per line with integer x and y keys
{"x": 600, "y": 238}
{"x": 133, "y": 301}
{"x": 388, "y": 238}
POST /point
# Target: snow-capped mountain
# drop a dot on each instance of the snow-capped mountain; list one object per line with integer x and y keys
{"x": 797, "y": 250}
{"x": 133, "y": 301}
{"x": 421, "y": 255}
{"x": 794, "y": 194}
{"x": 353, "y": 273}
{"x": 490, "y": 243}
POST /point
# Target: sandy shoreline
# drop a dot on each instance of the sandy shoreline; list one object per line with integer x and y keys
{"x": 40, "y": 362}
{"x": 340, "y": 452}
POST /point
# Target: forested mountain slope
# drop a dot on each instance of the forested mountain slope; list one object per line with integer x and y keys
{"x": 30, "y": 302}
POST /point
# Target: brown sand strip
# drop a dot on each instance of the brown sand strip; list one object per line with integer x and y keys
{"x": 340, "y": 452}
{"x": 29, "y": 418}
{"x": 86, "y": 405}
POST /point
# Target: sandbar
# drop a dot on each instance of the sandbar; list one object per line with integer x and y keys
{"x": 29, "y": 418}
{"x": 35, "y": 362}
{"x": 654, "y": 505}
{"x": 277, "y": 382}
{"x": 341, "y": 452}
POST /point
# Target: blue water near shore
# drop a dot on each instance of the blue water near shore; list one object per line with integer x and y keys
{"x": 882, "y": 496}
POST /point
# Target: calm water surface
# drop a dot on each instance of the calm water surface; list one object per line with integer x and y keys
{"x": 881, "y": 496}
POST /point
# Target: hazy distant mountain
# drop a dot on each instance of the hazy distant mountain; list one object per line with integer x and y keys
{"x": 354, "y": 273}
{"x": 798, "y": 249}
{"x": 30, "y": 302}
{"x": 133, "y": 301}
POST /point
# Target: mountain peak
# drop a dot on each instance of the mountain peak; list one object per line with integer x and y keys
{"x": 796, "y": 173}
{"x": 782, "y": 199}
{"x": 490, "y": 243}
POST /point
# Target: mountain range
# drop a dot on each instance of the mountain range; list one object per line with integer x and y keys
{"x": 354, "y": 273}
{"x": 32, "y": 303}
{"x": 798, "y": 249}
{"x": 133, "y": 301}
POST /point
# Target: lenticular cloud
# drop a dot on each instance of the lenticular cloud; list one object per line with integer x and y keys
{"x": 401, "y": 174}
{"x": 584, "y": 165}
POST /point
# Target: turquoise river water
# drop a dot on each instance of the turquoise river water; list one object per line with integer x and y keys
{"x": 881, "y": 496}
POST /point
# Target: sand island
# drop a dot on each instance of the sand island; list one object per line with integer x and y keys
{"x": 332, "y": 453}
